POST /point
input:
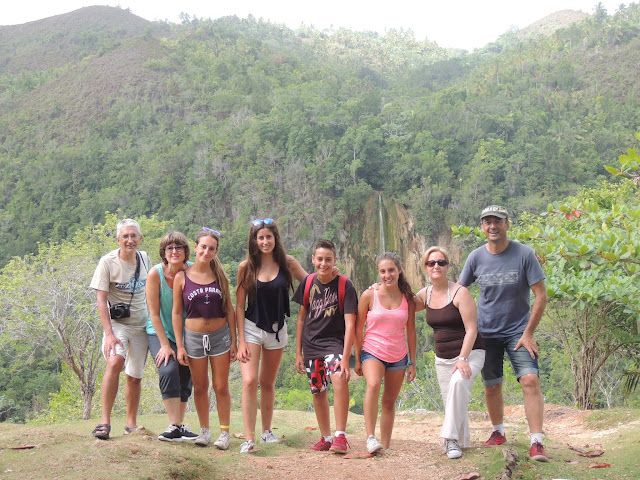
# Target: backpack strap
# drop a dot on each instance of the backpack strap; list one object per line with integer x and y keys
{"x": 342, "y": 286}
{"x": 307, "y": 287}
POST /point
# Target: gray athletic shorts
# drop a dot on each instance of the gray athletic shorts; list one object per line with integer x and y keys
{"x": 211, "y": 344}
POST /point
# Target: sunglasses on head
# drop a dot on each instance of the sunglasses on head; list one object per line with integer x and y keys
{"x": 215, "y": 232}
{"x": 259, "y": 221}
{"x": 432, "y": 263}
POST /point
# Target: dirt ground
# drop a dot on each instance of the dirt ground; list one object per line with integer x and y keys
{"x": 413, "y": 432}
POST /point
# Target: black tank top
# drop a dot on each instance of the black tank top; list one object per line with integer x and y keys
{"x": 271, "y": 304}
{"x": 448, "y": 330}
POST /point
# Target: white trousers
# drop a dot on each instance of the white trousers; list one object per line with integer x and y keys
{"x": 456, "y": 394}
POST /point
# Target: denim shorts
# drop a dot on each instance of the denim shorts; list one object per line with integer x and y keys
{"x": 521, "y": 360}
{"x": 399, "y": 365}
{"x": 210, "y": 344}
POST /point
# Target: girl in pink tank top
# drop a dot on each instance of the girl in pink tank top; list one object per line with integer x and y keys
{"x": 388, "y": 310}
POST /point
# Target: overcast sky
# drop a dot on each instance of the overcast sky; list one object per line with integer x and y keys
{"x": 464, "y": 24}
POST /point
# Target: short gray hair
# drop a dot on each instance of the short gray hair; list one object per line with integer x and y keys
{"x": 127, "y": 222}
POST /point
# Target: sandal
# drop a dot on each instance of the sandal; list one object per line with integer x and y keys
{"x": 102, "y": 431}
{"x": 128, "y": 430}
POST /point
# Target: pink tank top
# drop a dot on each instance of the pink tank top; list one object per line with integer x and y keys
{"x": 384, "y": 336}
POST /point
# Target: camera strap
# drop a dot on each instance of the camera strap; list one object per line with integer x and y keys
{"x": 137, "y": 276}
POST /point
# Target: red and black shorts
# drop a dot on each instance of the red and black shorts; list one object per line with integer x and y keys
{"x": 319, "y": 369}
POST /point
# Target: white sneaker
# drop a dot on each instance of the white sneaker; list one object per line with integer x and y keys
{"x": 204, "y": 438}
{"x": 248, "y": 447}
{"x": 452, "y": 448}
{"x": 373, "y": 445}
{"x": 268, "y": 437}
{"x": 222, "y": 443}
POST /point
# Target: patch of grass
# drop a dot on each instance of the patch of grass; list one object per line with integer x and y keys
{"x": 605, "y": 419}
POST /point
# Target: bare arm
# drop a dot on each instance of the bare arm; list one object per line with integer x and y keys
{"x": 296, "y": 269}
{"x": 241, "y": 296}
{"x": 527, "y": 341}
{"x": 153, "y": 301}
{"x": 349, "y": 334}
{"x": 176, "y": 318}
{"x": 420, "y": 299}
{"x": 302, "y": 314}
{"x": 364, "y": 305}
{"x": 412, "y": 341}
{"x": 469, "y": 313}
{"x": 105, "y": 319}
{"x": 231, "y": 321}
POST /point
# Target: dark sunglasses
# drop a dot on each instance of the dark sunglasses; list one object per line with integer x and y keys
{"x": 215, "y": 232}
{"x": 259, "y": 221}
{"x": 432, "y": 263}
{"x": 173, "y": 248}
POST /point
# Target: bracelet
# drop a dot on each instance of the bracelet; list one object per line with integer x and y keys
{"x": 464, "y": 359}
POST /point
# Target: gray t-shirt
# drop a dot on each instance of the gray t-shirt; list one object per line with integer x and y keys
{"x": 117, "y": 277}
{"x": 504, "y": 280}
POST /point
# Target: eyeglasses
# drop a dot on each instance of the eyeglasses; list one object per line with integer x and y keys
{"x": 258, "y": 221}
{"x": 173, "y": 248}
{"x": 215, "y": 232}
{"x": 432, "y": 263}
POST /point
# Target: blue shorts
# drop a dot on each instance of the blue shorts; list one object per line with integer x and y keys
{"x": 399, "y": 365}
{"x": 521, "y": 360}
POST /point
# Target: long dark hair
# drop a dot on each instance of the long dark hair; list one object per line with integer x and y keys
{"x": 254, "y": 259}
{"x": 216, "y": 266}
{"x": 403, "y": 284}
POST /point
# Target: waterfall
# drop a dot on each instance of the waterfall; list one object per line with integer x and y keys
{"x": 383, "y": 247}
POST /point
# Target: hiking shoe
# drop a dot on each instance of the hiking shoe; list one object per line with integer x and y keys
{"x": 339, "y": 444}
{"x": 248, "y": 447}
{"x": 452, "y": 448}
{"x": 537, "y": 453}
{"x": 373, "y": 445}
{"x": 222, "y": 443}
{"x": 204, "y": 438}
{"x": 322, "y": 445}
{"x": 268, "y": 437}
{"x": 187, "y": 435}
{"x": 171, "y": 434}
{"x": 496, "y": 438}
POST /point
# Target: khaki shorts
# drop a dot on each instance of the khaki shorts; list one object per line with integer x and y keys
{"x": 135, "y": 345}
{"x": 257, "y": 336}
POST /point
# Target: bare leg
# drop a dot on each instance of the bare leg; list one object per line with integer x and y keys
{"x": 321, "y": 406}
{"x": 220, "y": 380}
{"x": 200, "y": 378}
{"x": 340, "y": 400}
{"x": 533, "y": 401}
{"x": 373, "y": 372}
{"x": 495, "y": 403}
{"x": 392, "y": 384}
{"x": 173, "y": 407}
{"x": 249, "y": 372}
{"x": 109, "y": 386}
{"x": 268, "y": 371}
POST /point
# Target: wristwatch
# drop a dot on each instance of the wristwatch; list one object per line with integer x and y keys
{"x": 464, "y": 359}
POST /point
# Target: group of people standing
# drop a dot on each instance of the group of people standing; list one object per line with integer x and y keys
{"x": 191, "y": 324}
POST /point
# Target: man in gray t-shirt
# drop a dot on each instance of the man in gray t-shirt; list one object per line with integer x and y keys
{"x": 506, "y": 273}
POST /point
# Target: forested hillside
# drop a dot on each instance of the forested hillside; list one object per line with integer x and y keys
{"x": 217, "y": 122}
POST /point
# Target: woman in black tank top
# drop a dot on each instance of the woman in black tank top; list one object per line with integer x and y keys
{"x": 264, "y": 281}
{"x": 451, "y": 312}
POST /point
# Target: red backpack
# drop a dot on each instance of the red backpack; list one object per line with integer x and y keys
{"x": 342, "y": 283}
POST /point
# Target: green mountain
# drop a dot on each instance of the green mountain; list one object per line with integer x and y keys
{"x": 217, "y": 122}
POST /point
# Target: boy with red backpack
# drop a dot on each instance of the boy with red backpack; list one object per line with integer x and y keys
{"x": 324, "y": 335}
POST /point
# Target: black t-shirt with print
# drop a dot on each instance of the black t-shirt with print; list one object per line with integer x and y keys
{"x": 324, "y": 326}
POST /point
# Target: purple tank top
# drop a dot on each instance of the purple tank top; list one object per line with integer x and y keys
{"x": 202, "y": 301}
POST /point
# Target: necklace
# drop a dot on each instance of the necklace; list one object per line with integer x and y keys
{"x": 430, "y": 291}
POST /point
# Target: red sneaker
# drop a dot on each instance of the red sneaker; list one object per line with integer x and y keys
{"x": 537, "y": 453}
{"x": 321, "y": 446}
{"x": 496, "y": 438}
{"x": 339, "y": 444}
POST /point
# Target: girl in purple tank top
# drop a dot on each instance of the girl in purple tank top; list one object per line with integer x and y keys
{"x": 389, "y": 314}
{"x": 202, "y": 290}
